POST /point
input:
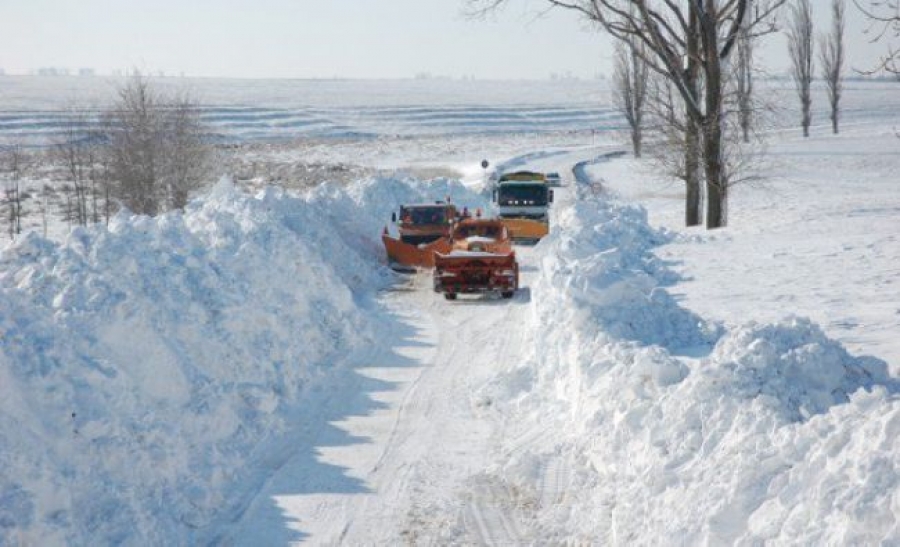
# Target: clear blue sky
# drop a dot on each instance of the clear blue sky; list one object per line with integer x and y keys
{"x": 317, "y": 38}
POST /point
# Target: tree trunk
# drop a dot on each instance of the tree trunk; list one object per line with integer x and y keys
{"x": 715, "y": 210}
{"x": 693, "y": 195}
{"x": 636, "y": 141}
{"x": 716, "y": 182}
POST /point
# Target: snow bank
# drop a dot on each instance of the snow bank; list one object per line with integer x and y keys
{"x": 675, "y": 431}
{"x": 141, "y": 365}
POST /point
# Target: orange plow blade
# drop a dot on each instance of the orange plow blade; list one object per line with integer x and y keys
{"x": 407, "y": 257}
{"x": 523, "y": 229}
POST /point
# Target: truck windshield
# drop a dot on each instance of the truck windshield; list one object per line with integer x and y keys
{"x": 522, "y": 194}
{"x": 423, "y": 215}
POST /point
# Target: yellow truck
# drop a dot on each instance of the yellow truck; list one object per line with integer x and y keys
{"x": 523, "y": 201}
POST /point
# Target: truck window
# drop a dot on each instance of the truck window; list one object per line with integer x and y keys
{"x": 423, "y": 215}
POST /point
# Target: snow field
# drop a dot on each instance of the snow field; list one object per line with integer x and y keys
{"x": 141, "y": 367}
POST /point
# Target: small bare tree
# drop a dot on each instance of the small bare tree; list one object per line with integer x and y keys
{"x": 629, "y": 87}
{"x": 75, "y": 150}
{"x": 800, "y": 49}
{"x": 831, "y": 57}
{"x": 187, "y": 158}
{"x": 43, "y": 206}
{"x": 135, "y": 146}
{"x": 14, "y": 159}
{"x": 156, "y": 153}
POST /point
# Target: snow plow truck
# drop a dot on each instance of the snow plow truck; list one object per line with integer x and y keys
{"x": 523, "y": 199}
{"x": 424, "y": 229}
{"x": 481, "y": 260}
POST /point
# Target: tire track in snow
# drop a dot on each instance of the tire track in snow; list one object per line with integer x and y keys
{"x": 556, "y": 479}
{"x": 430, "y": 335}
{"x": 490, "y": 517}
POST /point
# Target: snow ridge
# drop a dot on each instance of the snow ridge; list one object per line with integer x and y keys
{"x": 688, "y": 433}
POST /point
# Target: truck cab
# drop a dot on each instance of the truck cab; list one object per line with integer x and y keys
{"x": 424, "y": 223}
{"x": 524, "y": 199}
{"x": 423, "y": 229}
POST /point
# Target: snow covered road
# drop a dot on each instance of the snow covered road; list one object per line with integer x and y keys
{"x": 425, "y": 458}
{"x": 422, "y": 455}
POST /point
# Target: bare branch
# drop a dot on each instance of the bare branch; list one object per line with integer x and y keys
{"x": 884, "y": 18}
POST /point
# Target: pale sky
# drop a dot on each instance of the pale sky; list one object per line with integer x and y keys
{"x": 323, "y": 39}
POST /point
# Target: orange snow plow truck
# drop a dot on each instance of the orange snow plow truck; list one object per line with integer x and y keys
{"x": 424, "y": 229}
{"x": 481, "y": 261}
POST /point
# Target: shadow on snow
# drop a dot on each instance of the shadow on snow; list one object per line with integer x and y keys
{"x": 292, "y": 464}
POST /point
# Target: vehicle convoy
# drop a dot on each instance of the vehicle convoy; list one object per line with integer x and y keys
{"x": 423, "y": 229}
{"x": 523, "y": 199}
{"x": 481, "y": 260}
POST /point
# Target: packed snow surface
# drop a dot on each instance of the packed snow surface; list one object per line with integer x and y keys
{"x": 249, "y": 372}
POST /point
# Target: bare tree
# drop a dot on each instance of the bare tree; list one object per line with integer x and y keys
{"x": 800, "y": 49}
{"x": 14, "y": 159}
{"x": 831, "y": 57}
{"x": 744, "y": 82}
{"x": 679, "y": 153}
{"x": 629, "y": 87}
{"x": 135, "y": 146}
{"x": 156, "y": 154}
{"x": 677, "y": 35}
{"x": 43, "y": 206}
{"x": 884, "y": 16}
{"x": 187, "y": 158}
{"x": 75, "y": 149}
{"x": 691, "y": 86}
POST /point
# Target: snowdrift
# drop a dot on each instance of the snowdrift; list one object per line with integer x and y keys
{"x": 141, "y": 365}
{"x": 678, "y": 431}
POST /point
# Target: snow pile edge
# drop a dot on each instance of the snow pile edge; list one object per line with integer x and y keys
{"x": 141, "y": 365}
{"x": 677, "y": 431}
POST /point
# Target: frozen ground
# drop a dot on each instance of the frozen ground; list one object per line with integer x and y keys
{"x": 250, "y": 373}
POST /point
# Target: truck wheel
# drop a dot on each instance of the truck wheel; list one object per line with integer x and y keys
{"x": 507, "y": 294}
{"x": 450, "y": 295}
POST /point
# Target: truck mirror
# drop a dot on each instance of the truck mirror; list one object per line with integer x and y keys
{"x": 394, "y": 218}
{"x": 551, "y": 196}
{"x": 494, "y": 194}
